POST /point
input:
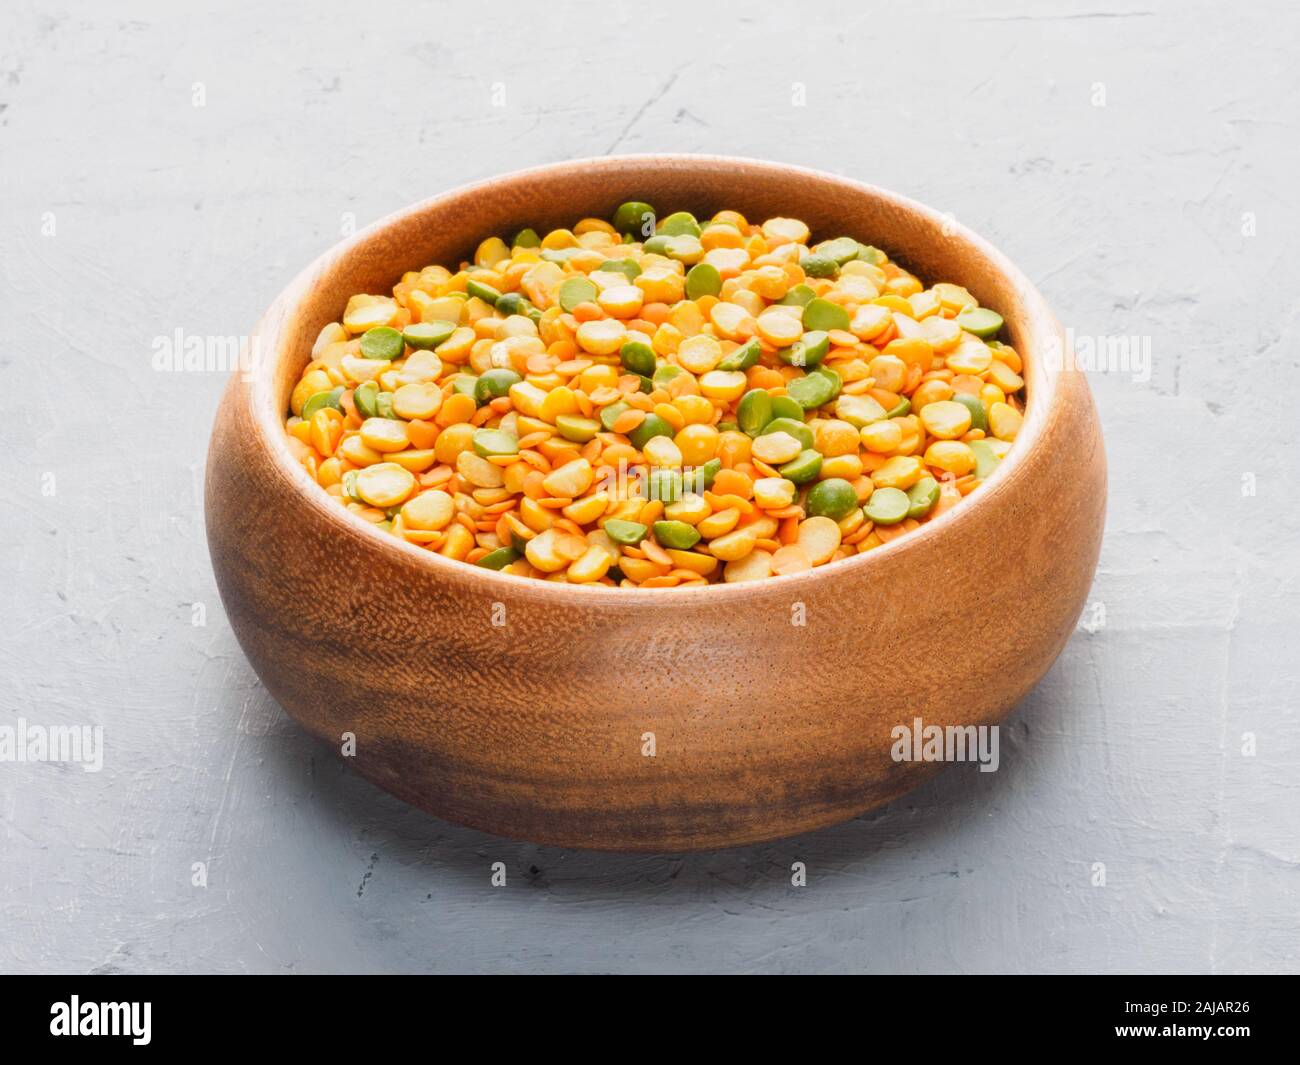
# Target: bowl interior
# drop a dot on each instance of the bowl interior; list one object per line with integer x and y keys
{"x": 447, "y": 228}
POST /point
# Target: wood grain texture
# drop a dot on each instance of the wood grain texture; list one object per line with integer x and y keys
{"x": 763, "y": 728}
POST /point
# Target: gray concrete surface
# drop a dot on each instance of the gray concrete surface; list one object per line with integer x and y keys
{"x": 1139, "y": 164}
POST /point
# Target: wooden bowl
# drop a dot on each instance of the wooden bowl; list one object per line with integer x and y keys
{"x": 526, "y": 708}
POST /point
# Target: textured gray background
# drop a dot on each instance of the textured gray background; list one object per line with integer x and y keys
{"x": 1133, "y": 217}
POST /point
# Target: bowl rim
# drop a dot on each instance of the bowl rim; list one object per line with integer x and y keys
{"x": 1041, "y": 379}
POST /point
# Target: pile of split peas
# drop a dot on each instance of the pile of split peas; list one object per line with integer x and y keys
{"x": 654, "y": 402}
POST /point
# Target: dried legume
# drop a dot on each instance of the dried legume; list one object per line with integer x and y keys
{"x": 658, "y": 402}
